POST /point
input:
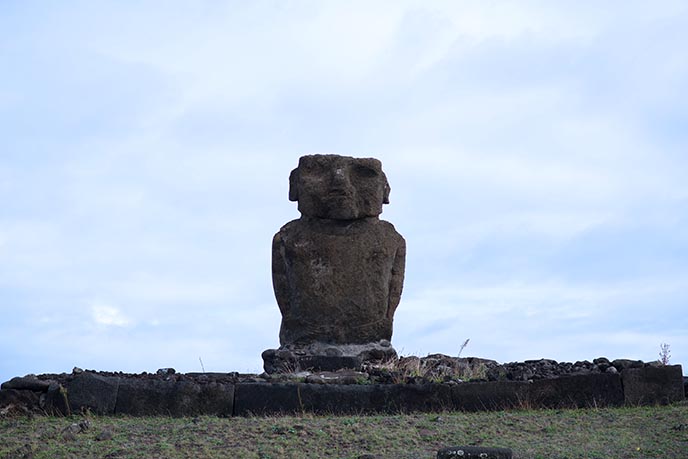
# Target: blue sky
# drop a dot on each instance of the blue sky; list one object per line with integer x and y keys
{"x": 536, "y": 152}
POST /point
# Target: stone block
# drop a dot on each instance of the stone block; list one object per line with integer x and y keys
{"x": 407, "y": 398}
{"x": 343, "y": 399}
{"x": 285, "y": 361}
{"x": 174, "y": 398}
{"x": 489, "y": 396}
{"x": 266, "y": 399}
{"x": 216, "y": 399}
{"x": 29, "y": 382}
{"x": 146, "y": 397}
{"x": 258, "y": 399}
{"x": 320, "y": 356}
{"x": 337, "y": 377}
{"x": 328, "y": 362}
{"x": 578, "y": 391}
{"x": 653, "y": 385}
{"x": 92, "y": 392}
{"x": 55, "y": 401}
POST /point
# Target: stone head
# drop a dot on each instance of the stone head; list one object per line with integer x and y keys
{"x": 339, "y": 187}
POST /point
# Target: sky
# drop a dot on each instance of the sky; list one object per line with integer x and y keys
{"x": 537, "y": 153}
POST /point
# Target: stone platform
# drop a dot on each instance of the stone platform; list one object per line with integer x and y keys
{"x": 327, "y": 357}
{"x": 232, "y": 394}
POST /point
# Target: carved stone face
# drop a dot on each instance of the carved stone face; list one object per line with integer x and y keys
{"x": 339, "y": 187}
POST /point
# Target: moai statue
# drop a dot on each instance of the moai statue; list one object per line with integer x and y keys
{"x": 338, "y": 270}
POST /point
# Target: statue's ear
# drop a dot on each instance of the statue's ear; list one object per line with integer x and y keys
{"x": 293, "y": 188}
{"x": 385, "y": 194}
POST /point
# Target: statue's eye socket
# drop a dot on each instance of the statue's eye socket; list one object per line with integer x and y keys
{"x": 365, "y": 171}
{"x": 314, "y": 169}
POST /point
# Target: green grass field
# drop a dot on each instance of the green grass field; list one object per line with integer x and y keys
{"x": 643, "y": 432}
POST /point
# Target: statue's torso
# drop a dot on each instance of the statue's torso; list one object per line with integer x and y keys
{"x": 338, "y": 279}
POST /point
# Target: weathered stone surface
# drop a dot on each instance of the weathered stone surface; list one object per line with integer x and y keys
{"x": 443, "y": 367}
{"x": 92, "y": 392}
{"x": 343, "y": 399}
{"x": 154, "y": 397}
{"x": 22, "y": 402}
{"x": 374, "y": 398}
{"x": 325, "y": 357}
{"x": 337, "y": 187}
{"x": 166, "y": 371}
{"x": 29, "y": 382}
{"x": 174, "y": 398}
{"x": 262, "y": 398}
{"x": 469, "y": 452}
{"x": 407, "y": 398}
{"x": 622, "y": 364}
{"x": 55, "y": 401}
{"x": 377, "y": 390}
{"x": 548, "y": 369}
{"x": 484, "y": 396}
{"x": 337, "y": 377}
{"x": 578, "y": 391}
{"x": 653, "y": 385}
{"x": 270, "y": 399}
{"x": 337, "y": 281}
{"x": 286, "y": 361}
{"x": 216, "y": 399}
{"x": 337, "y": 271}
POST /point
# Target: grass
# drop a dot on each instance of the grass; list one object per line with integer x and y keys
{"x": 431, "y": 369}
{"x": 642, "y": 432}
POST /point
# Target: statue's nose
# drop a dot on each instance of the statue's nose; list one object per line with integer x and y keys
{"x": 340, "y": 178}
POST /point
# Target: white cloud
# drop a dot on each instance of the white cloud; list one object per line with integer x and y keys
{"x": 149, "y": 288}
{"x": 510, "y": 134}
{"x": 104, "y": 314}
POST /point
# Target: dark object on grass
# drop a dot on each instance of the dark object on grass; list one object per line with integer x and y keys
{"x": 105, "y": 435}
{"x": 474, "y": 452}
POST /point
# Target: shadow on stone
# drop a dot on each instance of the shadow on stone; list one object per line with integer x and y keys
{"x": 257, "y": 399}
{"x": 583, "y": 391}
{"x": 174, "y": 398}
{"x": 490, "y": 396}
{"x": 91, "y": 392}
{"x": 407, "y": 398}
{"x": 55, "y": 401}
{"x": 653, "y": 385}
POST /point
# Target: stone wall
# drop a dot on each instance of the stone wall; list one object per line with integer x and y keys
{"x": 231, "y": 394}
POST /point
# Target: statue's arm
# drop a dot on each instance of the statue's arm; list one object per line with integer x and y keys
{"x": 280, "y": 283}
{"x": 397, "y": 280}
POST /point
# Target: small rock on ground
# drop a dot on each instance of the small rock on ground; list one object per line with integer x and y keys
{"x": 105, "y": 435}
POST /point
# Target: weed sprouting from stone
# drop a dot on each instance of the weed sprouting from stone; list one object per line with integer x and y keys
{"x": 435, "y": 368}
{"x": 664, "y": 354}
{"x": 463, "y": 346}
